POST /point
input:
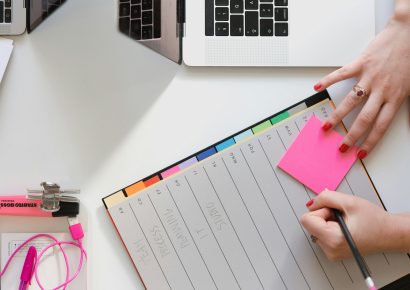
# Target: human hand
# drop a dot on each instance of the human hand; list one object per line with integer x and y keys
{"x": 383, "y": 71}
{"x": 370, "y": 225}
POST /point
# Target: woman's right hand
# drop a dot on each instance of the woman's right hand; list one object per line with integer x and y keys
{"x": 373, "y": 229}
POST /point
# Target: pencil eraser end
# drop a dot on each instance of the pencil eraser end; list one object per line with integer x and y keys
{"x": 372, "y": 288}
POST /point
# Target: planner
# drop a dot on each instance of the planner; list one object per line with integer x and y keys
{"x": 228, "y": 218}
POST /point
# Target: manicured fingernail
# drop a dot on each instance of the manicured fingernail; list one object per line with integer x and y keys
{"x": 318, "y": 86}
{"x": 309, "y": 203}
{"x": 326, "y": 126}
{"x": 362, "y": 154}
{"x": 343, "y": 148}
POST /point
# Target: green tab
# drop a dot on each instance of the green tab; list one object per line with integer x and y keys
{"x": 261, "y": 127}
{"x": 279, "y": 118}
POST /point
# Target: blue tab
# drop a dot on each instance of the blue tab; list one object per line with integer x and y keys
{"x": 225, "y": 144}
{"x": 206, "y": 154}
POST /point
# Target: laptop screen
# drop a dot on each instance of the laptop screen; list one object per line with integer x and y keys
{"x": 38, "y": 10}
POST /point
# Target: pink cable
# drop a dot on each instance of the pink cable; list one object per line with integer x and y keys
{"x": 37, "y": 262}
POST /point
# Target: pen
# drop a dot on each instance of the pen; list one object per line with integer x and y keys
{"x": 28, "y": 268}
{"x": 20, "y": 205}
{"x": 353, "y": 247}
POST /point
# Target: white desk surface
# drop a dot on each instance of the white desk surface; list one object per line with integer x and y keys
{"x": 84, "y": 106}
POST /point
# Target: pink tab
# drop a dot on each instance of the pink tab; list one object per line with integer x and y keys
{"x": 314, "y": 158}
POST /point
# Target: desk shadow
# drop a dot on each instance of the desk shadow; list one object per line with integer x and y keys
{"x": 101, "y": 82}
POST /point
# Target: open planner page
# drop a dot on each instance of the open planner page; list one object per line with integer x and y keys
{"x": 231, "y": 221}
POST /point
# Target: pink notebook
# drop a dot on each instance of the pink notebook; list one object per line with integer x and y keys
{"x": 314, "y": 158}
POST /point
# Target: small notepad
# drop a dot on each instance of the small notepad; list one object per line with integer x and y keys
{"x": 314, "y": 158}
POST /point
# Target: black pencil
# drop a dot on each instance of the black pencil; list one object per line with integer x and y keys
{"x": 355, "y": 251}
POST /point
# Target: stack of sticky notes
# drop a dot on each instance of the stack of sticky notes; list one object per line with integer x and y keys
{"x": 314, "y": 158}
{"x": 6, "y": 47}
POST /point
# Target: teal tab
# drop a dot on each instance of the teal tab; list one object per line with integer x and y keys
{"x": 243, "y": 135}
{"x": 279, "y": 118}
{"x": 261, "y": 127}
{"x": 225, "y": 144}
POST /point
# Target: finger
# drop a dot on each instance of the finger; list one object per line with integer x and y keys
{"x": 383, "y": 121}
{"x": 343, "y": 73}
{"x": 324, "y": 213}
{"x": 346, "y": 106}
{"x": 315, "y": 225}
{"x": 364, "y": 120}
{"x": 332, "y": 199}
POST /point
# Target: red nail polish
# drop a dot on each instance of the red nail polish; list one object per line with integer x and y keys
{"x": 309, "y": 203}
{"x": 326, "y": 126}
{"x": 317, "y": 87}
{"x": 362, "y": 154}
{"x": 343, "y": 148}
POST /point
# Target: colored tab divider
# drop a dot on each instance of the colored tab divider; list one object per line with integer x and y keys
{"x": 170, "y": 171}
{"x": 226, "y": 144}
{"x": 243, "y": 135}
{"x": 187, "y": 163}
{"x": 261, "y": 127}
{"x": 151, "y": 181}
{"x": 135, "y": 188}
{"x": 206, "y": 153}
{"x": 279, "y": 118}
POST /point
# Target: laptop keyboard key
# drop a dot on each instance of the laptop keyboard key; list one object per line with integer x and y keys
{"x": 266, "y": 27}
{"x": 146, "y": 4}
{"x": 209, "y": 17}
{"x": 266, "y": 10}
{"x": 281, "y": 2}
{"x": 7, "y": 3}
{"x": 1, "y": 12}
{"x": 251, "y": 23}
{"x": 157, "y": 18}
{"x": 222, "y": 29}
{"x": 236, "y": 25}
{"x": 251, "y": 4}
{"x": 146, "y": 17}
{"x": 236, "y": 6}
{"x": 124, "y": 9}
{"x": 135, "y": 1}
{"x": 147, "y": 32}
{"x": 222, "y": 14}
{"x": 281, "y": 29}
{"x": 7, "y": 15}
{"x": 135, "y": 31}
{"x": 136, "y": 11}
{"x": 281, "y": 14}
{"x": 124, "y": 25}
{"x": 221, "y": 2}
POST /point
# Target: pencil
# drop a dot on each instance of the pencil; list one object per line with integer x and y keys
{"x": 355, "y": 251}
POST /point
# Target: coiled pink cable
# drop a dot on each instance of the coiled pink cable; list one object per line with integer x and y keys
{"x": 58, "y": 243}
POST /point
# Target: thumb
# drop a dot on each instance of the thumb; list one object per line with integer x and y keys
{"x": 332, "y": 199}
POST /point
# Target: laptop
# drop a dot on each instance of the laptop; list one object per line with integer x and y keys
{"x": 251, "y": 32}
{"x": 18, "y": 15}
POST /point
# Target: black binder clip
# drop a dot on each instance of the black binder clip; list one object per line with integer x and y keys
{"x": 56, "y": 201}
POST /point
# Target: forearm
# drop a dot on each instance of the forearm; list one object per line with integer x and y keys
{"x": 398, "y": 234}
{"x": 402, "y": 11}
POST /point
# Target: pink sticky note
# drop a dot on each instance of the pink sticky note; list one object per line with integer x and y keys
{"x": 314, "y": 158}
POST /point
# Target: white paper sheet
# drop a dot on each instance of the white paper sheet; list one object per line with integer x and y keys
{"x": 52, "y": 268}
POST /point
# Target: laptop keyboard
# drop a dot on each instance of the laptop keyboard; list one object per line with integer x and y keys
{"x": 5, "y": 11}
{"x": 140, "y": 19}
{"x": 246, "y": 18}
